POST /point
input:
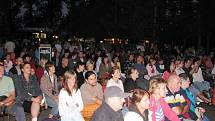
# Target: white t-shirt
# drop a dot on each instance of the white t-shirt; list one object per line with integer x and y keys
{"x": 132, "y": 116}
{"x": 198, "y": 76}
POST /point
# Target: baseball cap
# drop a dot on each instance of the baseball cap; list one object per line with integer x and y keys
{"x": 114, "y": 91}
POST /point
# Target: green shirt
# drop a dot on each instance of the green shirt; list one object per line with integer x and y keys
{"x": 6, "y": 86}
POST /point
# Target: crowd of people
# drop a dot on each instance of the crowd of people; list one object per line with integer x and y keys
{"x": 86, "y": 82}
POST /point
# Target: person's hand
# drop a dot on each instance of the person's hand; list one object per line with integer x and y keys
{"x": 202, "y": 110}
{"x": 97, "y": 100}
{"x": 1, "y": 103}
{"x": 177, "y": 110}
{"x": 56, "y": 98}
{"x": 36, "y": 99}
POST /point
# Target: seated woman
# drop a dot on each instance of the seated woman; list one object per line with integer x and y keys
{"x": 105, "y": 66}
{"x": 89, "y": 67}
{"x": 115, "y": 80}
{"x": 28, "y": 94}
{"x": 92, "y": 94}
{"x": 70, "y": 101}
{"x": 169, "y": 69}
{"x": 159, "y": 109}
{"x": 131, "y": 81}
{"x": 138, "y": 109}
{"x": 190, "y": 93}
{"x": 151, "y": 68}
{"x": 49, "y": 87}
{"x": 115, "y": 61}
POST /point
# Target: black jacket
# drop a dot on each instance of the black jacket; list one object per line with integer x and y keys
{"x": 106, "y": 113}
{"x": 130, "y": 84}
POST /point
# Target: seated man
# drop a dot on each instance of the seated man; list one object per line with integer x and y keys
{"x": 110, "y": 110}
{"x": 28, "y": 94}
{"x": 7, "y": 91}
{"x": 91, "y": 92}
{"x": 174, "y": 96}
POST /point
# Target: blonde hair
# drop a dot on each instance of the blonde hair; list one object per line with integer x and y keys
{"x": 67, "y": 75}
{"x": 155, "y": 84}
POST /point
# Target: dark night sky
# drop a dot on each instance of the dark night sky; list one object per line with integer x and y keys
{"x": 133, "y": 19}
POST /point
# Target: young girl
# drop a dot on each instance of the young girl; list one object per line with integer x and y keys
{"x": 159, "y": 109}
{"x": 70, "y": 101}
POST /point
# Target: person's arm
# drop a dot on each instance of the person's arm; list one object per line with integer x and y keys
{"x": 100, "y": 92}
{"x": 38, "y": 91}
{"x": 68, "y": 106}
{"x": 9, "y": 99}
{"x": 185, "y": 109}
{"x": 168, "y": 112}
{"x": 79, "y": 101}
{"x": 202, "y": 97}
{"x": 45, "y": 88}
{"x": 84, "y": 95}
{"x": 56, "y": 85}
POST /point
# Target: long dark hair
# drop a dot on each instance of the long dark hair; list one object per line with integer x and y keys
{"x": 137, "y": 96}
{"x": 66, "y": 77}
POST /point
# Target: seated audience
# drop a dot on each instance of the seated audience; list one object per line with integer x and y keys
{"x": 190, "y": 99}
{"x": 89, "y": 67}
{"x": 115, "y": 80}
{"x": 49, "y": 87}
{"x": 79, "y": 69}
{"x": 92, "y": 94}
{"x": 139, "y": 65}
{"x": 115, "y": 62}
{"x": 8, "y": 64}
{"x": 151, "y": 68}
{"x": 70, "y": 100}
{"x": 198, "y": 80}
{"x": 138, "y": 109}
{"x": 7, "y": 90}
{"x": 169, "y": 69}
{"x": 131, "y": 81}
{"x": 179, "y": 64}
{"x": 110, "y": 110}
{"x": 16, "y": 69}
{"x": 28, "y": 94}
{"x": 160, "y": 65}
{"x": 174, "y": 96}
{"x": 40, "y": 71}
{"x": 105, "y": 66}
{"x": 159, "y": 109}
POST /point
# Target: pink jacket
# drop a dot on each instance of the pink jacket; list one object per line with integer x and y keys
{"x": 168, "y": 112}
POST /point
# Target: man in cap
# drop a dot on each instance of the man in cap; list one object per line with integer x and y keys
{"x": 110, "y": 110}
